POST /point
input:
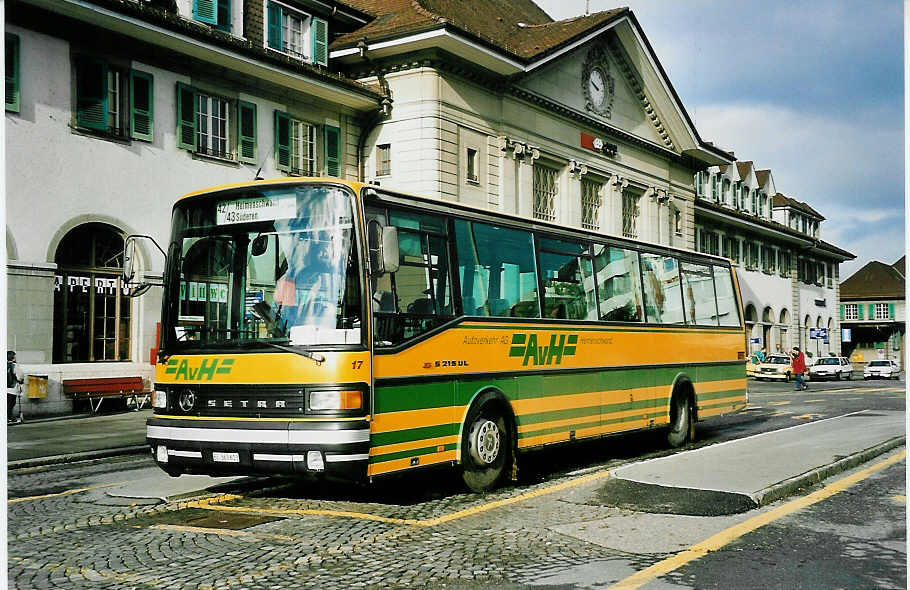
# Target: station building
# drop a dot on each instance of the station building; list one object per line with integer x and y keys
{"x": 491, "y": 104}
{"x": 789, "y": 276}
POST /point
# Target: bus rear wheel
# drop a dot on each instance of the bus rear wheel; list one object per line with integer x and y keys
{"x": 682, "y": 423}
{"x": 486, "y": 448}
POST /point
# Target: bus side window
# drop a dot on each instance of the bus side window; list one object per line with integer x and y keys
{"x": 663, "y": 298}
{"x": 497, "y": 271}
{"x": 568, "y": 280}
{"x": 727, "y": 309}
{"x": 698, "y": 292}
{"x": 618, "y": 284}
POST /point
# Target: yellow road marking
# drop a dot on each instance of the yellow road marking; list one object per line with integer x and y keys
{"x": 66, "y": 493}
{"x": 731, "y": 534}
{"x": 807, "y": 416}
{"x": 216, "y": 504}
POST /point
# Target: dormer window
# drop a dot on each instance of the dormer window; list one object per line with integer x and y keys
{"x": 714, "y": 188}
{"x": 726, "y": 191}
{"x": 297, "y": 34}
{"x": 754, "y": 201}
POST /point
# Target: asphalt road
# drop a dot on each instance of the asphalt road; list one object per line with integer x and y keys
{"x": 422, "y": 530}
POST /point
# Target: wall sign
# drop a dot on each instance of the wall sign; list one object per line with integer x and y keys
{"x": 598, "y": 145}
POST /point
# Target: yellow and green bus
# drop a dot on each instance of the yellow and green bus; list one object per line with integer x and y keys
{"x": 318, "y": 326}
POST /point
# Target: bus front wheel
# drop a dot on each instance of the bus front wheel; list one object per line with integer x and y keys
{"x": 486, "y": 447}
{"x": 682, "y": 423}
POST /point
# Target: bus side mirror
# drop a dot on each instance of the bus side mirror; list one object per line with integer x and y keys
{"x": 383, "y": 247}
{"x": 130, "y": 265}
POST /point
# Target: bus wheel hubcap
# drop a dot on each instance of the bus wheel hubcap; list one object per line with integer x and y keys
{"x": 485, "y": 447}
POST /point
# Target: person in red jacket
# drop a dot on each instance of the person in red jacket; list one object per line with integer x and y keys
{"x": 799, "y": 368}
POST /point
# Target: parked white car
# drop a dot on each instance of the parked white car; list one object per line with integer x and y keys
{"x": 882, "y": 370}
{"x": 831, "y": 367}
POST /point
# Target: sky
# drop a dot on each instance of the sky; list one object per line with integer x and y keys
{"x": 812, "y": 90}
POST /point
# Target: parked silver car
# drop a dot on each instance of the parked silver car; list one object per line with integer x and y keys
{"x": 884, "y": 369}
{"x": 831, "y": 367}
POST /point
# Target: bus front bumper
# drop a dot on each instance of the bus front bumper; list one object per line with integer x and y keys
{"x": 254, "y": 447}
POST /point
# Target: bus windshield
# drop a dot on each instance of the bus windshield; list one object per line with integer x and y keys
{"x": 277, "y": 265}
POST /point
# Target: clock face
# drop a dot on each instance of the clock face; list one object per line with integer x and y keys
{"x": 597, "y": 88}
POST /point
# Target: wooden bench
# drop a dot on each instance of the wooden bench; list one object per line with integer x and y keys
{"x": 96, "y": 389}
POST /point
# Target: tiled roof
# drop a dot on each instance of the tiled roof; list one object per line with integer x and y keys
{"x": 874, "y": 281}
{"x": 495, "y": 22}
{"x": 762, "y": 176}
{"x": 780, "y": 200}
{"x": 899, "y": 266}
{"x": 744, "y": 168}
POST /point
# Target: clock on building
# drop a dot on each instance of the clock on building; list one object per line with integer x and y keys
{"x": 596, "y": 83}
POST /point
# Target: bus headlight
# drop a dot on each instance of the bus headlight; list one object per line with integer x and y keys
{"x": 336, "y": 400}
{"x": 159, "y": 399}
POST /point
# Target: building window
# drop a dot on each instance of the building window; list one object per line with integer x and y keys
{"x": 731, "y": 249}
{"x": 763, "y": 205}
{"x": 471, "y": 162}
{"x": 297, "y": 34}
{"x": 213, "y": 12}
{"x": 713, "y": 243}
{"x": 881, "y": 311}
{"x": 677, "y": 222}
{"x": 212, "y": 126}
{"x": 383, "y": 159}
{"x": 630, "y": 211}
{"x": 753, "y": 261}
{"x": 714, "y": 188}
{"x": 784, "y": 266}
{"x": 295, "y": 145}
{"x": 204, "y": 123}
{"x": 545, "y": 192}
{"x": 725, "y": 192}
{"x": 12, "y": 73}
{"x": 114, "y": 101}
{"x": 91, "y": 310}
{"x": 850, "y": 311}
{"x": 700, "y": 183}
{"x": 754, "y": 202}
{"x": 590, "y": 204}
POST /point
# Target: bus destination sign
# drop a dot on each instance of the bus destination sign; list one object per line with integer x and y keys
{"x": 256, "y": 209}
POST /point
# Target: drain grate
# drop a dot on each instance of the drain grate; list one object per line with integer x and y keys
{"x": 211, "y": 519}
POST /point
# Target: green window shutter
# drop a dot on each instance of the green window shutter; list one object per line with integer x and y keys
{"x": 142, "y": 119}
{"x": 223, "y": 15}
{"x": 859, "y": 311}
{"x": 247, "y": 132}
{"x": 206, "y": 11}
{"x": 332, "y": 151}
{"x": 842, "y": 314}
{"x": 891, "y": 310}
{"x": 91, "y": 94}
{"x": 282, "y": 141}
{"x": 186, "y": 117}
{"x": 274, "y": 26}
{"x": 320, "y": 42}
{"x": 871, "y": 311}
{"x": 12, "y": 73}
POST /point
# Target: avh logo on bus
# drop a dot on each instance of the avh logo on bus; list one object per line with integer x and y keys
{"x": 208, "y": 368}
{"x": 525, "y": 346}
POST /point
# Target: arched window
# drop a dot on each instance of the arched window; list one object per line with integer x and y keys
{"x": 91, "y": 311}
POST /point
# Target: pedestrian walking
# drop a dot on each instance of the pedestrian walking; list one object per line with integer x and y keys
{"x": 14, "y": 381}
{"x": 799, "y": 368}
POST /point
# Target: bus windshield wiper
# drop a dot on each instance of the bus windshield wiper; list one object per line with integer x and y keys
{"x": 302, "y": 352}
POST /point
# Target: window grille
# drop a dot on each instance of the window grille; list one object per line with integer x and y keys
{"x": 850, "y": 311}
{"x": 545, "y": 190}
{"x": 294, "y": 29}
{"x": 590, "y": 204}
{"x": 303, "y": 148}
{"x": 383, "y": 159}
{"x": 630, "y": 211}
{"x": 881, "y": 311}
{"x": 113, "y": 101}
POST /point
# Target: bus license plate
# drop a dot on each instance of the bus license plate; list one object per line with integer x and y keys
{"x": 226, "y": 457}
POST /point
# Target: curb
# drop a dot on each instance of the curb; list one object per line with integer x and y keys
{"x": 788, "y": 486}
{"x": 73, "y": 457}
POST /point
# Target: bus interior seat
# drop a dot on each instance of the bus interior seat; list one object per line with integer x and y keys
{"x": 385, "y": 301}
{"x": 422, "y": 306}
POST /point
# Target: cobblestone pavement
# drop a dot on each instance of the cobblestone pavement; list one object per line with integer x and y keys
{"x": 417, "y": 531}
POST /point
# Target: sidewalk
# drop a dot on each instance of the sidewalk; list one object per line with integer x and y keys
{"x": 745, "y": 473}
{"x": 72, "y": 438}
